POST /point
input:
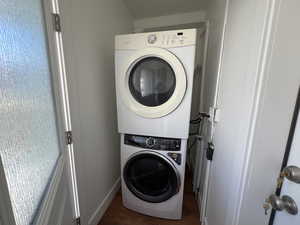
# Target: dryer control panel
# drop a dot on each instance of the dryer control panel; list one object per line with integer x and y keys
{"x": 162, "y": 39}
{"x": 156, "y": 143}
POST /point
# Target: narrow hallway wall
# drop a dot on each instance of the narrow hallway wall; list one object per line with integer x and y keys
{"x": 89, "y": 28}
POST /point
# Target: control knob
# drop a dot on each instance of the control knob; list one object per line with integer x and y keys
{"x": 150, "y": 142}
{"x": 152, "y": 38}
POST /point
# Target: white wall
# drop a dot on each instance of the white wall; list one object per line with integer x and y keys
{"x": 237, "y": 91}
{"x": 215, "y": 16}
{"x": 169, "y": 20}
{"x": 89, "y": 28}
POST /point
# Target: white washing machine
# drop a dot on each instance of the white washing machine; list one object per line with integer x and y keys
{"x": 154, "y": 80}
{"x": 153, "y": 175}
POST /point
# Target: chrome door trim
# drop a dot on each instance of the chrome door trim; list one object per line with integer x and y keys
{"x": 165, "y": 158}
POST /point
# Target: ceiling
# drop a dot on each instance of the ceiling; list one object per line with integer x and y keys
{"x": 152, "y": 8}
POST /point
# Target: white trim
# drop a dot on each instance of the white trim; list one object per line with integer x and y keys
{"x": 175, "y": 99}
{"x": 99, "y": 212}
{"x": 204, "y": 64}
{"x": 66, "y": 111}
{"x": 205, "y": 192}
{"x": 220, "y": 64}
{"x": 205, "y": 222}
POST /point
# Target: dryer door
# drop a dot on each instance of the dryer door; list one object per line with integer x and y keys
{"x": 151, "y": 177}
{"x": 154, "y": 84}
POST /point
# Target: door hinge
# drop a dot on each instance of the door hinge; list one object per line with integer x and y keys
{"x": 210, "y": 151}
{"x": 56, "y": 22}
{"x": 77, "y": 221}
{"x": 69, "y": 137}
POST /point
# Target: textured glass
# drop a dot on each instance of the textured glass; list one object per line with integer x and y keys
{"x": 28, "y": 135}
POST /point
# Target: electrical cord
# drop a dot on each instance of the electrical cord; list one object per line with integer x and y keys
{"x": 199, "y": 118}
{"x": 196, "y": 120}
{"x": 205, "y": 115}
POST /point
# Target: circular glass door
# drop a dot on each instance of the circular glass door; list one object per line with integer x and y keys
{"x": 151, "y": 177}
{"x": 152, "y": 81}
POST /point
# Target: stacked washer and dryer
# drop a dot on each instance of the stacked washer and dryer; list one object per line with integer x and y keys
{"x": 154, "y": 80}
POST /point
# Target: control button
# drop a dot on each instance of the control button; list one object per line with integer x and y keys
{"x": 152, "y": 38}
{"x": 150, "y": 142}
{"x": 176, "y": 157}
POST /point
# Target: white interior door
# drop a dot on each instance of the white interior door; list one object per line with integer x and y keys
{"x": 273, "y": 123}
{"x": 35, "y": 169}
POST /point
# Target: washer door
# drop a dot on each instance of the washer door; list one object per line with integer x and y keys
{"x": 151, "y": 177}
{"x": 154, "y": 84}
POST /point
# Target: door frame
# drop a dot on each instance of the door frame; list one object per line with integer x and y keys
{"x": 63, "y": 123}
{"x": 211, "y": 121}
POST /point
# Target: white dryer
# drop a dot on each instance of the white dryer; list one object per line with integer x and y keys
{"x": 152, "y": 171}
{"x": 154, "y": 80}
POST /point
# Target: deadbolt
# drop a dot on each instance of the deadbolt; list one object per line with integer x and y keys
{"x": 292, "y": 173}
{"x": 285, "y": 203}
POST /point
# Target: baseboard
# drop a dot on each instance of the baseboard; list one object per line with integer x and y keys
{"x": 99, "y": 212}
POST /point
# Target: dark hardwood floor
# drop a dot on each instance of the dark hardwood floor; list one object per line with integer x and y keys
{"x": 119, "y": 215}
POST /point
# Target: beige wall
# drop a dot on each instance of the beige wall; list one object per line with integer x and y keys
{"x": 89, "y": 28}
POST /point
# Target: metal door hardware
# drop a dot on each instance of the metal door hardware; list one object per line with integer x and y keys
{"x": 266, "y": 207}
{"x": 292, "y": 173}
{"x": 284, "y": 203}
{"x": 210, "y": 151}
{"x": 56, "y": 22}
{"x": 77, "y": 221}
{"x": 69, "y": 137}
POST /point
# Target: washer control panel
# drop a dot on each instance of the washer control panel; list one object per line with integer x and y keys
{"x": 156, "y": 143}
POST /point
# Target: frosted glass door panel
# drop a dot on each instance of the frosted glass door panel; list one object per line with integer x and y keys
{"x": 29, "y": 145}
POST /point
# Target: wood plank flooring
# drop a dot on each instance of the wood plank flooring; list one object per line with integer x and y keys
{"x": 119, "y": 215}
